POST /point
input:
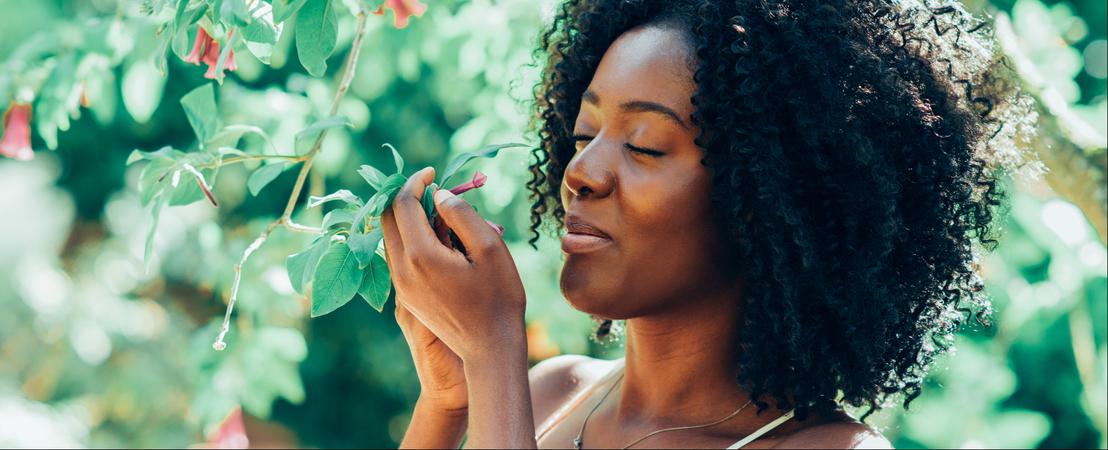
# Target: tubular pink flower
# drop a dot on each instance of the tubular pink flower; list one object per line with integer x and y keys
{"x": 495, "y": 226}
{"x": 477, "y": 181}
{"x": 401, "y": 10}
{"x": 16, "y": 142}
{"x": 198, "y": 46}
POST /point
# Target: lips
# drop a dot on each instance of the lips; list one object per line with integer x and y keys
{"x": 583, "y": 237}
{"x": 576, "y": 225}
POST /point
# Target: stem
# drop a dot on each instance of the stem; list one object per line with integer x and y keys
{"x": 286, "y": 217}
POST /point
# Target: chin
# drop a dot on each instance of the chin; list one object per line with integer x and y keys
{"x": 591, "y": 293}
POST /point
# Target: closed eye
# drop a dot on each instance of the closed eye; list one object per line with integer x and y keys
{"x": 628, "y": 146}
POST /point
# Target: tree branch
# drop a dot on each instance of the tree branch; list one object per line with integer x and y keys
{"x": 286, "y": 217}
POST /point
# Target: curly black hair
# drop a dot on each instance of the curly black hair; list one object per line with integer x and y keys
{"x": 854, "y": 149}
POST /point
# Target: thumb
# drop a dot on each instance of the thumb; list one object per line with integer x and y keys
{"x": 474, "y": 232}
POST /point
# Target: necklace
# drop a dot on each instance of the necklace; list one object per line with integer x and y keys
{"x": 577, "y": 440}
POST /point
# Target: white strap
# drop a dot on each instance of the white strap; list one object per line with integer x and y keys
{"x": 765, "y": 429}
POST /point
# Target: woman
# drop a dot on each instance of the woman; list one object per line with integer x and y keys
{"x": 780, "y": 197}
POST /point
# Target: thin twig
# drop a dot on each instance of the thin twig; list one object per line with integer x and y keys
{"x": 286, "y": 217}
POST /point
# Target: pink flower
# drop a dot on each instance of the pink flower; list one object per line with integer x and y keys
{"x": 231, "y": 433}
{"x": 16, "y": 142}
{"x": 477, "y": 181}
{"x": 205, "y": 49}
{"x": 401, "y": 10}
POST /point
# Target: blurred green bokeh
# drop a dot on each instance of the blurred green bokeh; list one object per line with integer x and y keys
{"x": 95, "y": 351}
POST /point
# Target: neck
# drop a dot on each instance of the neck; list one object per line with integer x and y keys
{"x": 679, "y": 364}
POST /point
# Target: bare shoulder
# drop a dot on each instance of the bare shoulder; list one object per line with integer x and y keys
{"x": 555, "y": 380}
{"x": 839, "y": 434}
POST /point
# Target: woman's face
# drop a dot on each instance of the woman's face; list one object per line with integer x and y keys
{"x": 636, "y": 177}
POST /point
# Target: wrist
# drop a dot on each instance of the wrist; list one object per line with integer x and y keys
{"x": 506, "y": 342}
{"x": 429, "y": 407}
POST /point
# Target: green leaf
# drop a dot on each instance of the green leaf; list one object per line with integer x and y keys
{"x": 383, "y": 198}
{"x": 181, "y": 22}
{"x": 283, "y": 9}
{"x": 263, "y": 176}
{"x": 341, "y": 195}
{"x": 142, "y": 90}
{"x": 301, "y": 266}
{"x": 487, "y": 152}
{"x": 201, "y": 111}
{"x": 376, "y": 283}
{"x": 316, "y": 33}
{"x": 396, "y": 159}
{"x": 224, "y": 53}
{"x": 164, "y": 154}
{"x": 155, "y": 214}
{"x": 364, "y": 246}
{"x": 306, "y": 138}
{"x": 428, "y": 201}
{"x": 373, "y": 176}
{"x": 336, "y": 279}
{"x": 230, "y": 136}
{"x": 338, "y": 217}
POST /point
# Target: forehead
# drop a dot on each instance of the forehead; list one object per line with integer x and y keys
{"x": 647, "y": 63}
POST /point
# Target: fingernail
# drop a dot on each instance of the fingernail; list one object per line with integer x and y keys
{"x": 442, "y": 194}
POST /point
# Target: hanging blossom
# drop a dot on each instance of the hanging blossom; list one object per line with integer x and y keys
{"x": 401, "y": 10}
{"x": 477, "y": 181}
{"x": 205, "y": 49}
{"x": 16, "y": 141}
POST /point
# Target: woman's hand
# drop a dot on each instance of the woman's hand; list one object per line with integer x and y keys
{"x": 442, "y": 379}
{"x": 472, "y": 302}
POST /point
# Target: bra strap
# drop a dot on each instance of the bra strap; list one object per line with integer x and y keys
{"x": 765, "y": 429}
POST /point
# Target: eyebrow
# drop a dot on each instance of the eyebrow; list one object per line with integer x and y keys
{"x": 639, "y": 106}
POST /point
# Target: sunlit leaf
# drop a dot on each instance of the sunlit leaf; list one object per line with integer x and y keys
{"x": 376, "y": 283}
{"x": 336, "y": 280}
{"x": 316, "y": 34}
{"x": 201, "y": 111}
{"x": 262, "y": 176}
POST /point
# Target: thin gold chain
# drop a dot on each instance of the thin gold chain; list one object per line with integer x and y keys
{"x": 577, "y": 442}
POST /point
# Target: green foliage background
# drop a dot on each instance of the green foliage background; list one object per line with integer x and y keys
{"x": 96, "y": 351}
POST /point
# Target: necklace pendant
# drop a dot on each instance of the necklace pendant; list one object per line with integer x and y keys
{"x": 577, "y": 443}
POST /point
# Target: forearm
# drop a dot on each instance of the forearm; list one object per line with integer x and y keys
{"x": 431, "y": 428}
{"x": 500, "y": 397}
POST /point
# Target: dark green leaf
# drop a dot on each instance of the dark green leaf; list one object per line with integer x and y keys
{"x": 428, "y": 201}
{"x": 376, "y": 283}
{"x": 263, "y": 176}
{"x": 316, "y": 33}
{"x": 336, "y": 280}
{"x": 461, "y": 160}
{"x": 364, "y": 246}
{"x": 302, "y": 265}
{"x": 306, "y": 138}
{"x": 201, "y": 111}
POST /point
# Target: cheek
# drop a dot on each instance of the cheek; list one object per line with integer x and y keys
{"x": 670, "y": 224}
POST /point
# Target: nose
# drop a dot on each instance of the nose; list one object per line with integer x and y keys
{"x": 590, "y": 173}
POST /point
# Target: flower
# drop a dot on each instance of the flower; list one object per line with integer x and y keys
{"x": 16, "y": 142}
{"x": 205, "y": 49}
{"x": 231, "y": 432}
{"x": 401, "y": 10}
{"x": 477, "y": 181}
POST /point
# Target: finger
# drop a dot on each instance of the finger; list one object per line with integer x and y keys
{"x": 411, "y": 221}
{"x": 476, "y": 234}
{"x": 394, "y": 247}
